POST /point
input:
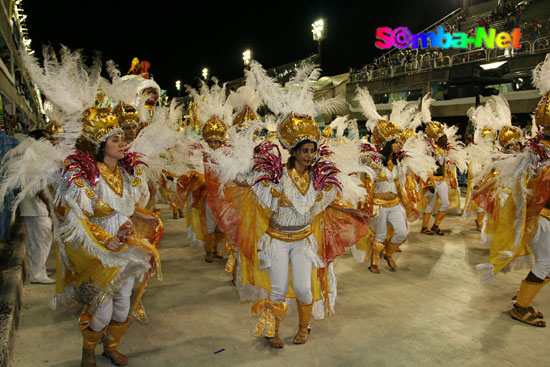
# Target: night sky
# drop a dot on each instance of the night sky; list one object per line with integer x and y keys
{"x": 180, "y": 38}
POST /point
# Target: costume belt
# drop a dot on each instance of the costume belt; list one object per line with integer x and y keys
{"x": 545, "y": 212}
{"x": 439, "y": 178}
{"x": 386, "y": 203}
{"x": 289, "y": 237}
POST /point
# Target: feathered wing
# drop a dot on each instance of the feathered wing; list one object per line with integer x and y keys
{"x": 456, "y": 154}
{"x": 236, "y": 158}
{"x": 32, "y": 166}
{"x": 541, "y": 76}
{"x": 419, "y": 160}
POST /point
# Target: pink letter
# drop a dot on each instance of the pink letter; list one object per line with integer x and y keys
{"x": 385, "y": 35}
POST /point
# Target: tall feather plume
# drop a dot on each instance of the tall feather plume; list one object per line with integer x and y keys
{"x": 403, "y": 113}
{"x": 425, "y": 113}
{"x": 68, "y": 83}
{"x": 366, "y": 103}
{"x": 298, "y": 94}
{"x": 245, "y": 96}
{"x": 339, "y": 124}
{"x": 212, "y": 102}
{"x": 118, "y": 89}
{"x": 541, "y": 76}
{"x": 501, "y": 111}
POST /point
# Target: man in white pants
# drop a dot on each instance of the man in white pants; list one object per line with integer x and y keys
{"x": 39, "y": 237}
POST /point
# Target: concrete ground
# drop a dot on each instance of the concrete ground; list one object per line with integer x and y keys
{"x": 432, "y": 312}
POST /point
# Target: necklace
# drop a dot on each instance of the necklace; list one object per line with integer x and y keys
{"x": 301, "y": 181}
{"x": 113, "y": 179}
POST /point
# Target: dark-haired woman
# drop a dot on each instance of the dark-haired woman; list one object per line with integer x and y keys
{"x": 289, "y": 227}
{"x": 387, "y": 198}
{"x": 106, "y": 243}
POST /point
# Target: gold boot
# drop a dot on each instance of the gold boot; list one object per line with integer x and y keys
{"x": 522, "y": 310}
{"x": 275, "y": 341}
{"x": 438, "y": 218}
{"x": 425, "y": 223}
{"x": 388, "y": 253}
{"x": 377, "y": 248}
{"x": 90, "y": 339}
{"x": 111, "y": 339}
{"x": 479, "y": 220}
{"x": 304, "y": 317}
{"x": 209, "y": 247}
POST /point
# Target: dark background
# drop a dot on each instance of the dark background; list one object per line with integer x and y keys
{"x": 179, "y": 38}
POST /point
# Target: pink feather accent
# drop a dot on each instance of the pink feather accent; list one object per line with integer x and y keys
{"x": 324, "y": 174}
{"x": 85, "y": 168}
{"x": 268, "y": 162}
{"x": 130, "y": 161}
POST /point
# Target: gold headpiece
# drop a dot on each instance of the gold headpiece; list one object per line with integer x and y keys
{"x": 406, "y": 134}
{"x": 488, "y": 131}
{"x": 53, "y": 127}
{"x": 509, "y": 134}
{"x": 126, "y": 114}
{"x": 327, "y": 133}
{"x": 385, "y": 131}
{"x": 435, "y": 130}
{"x": 542, "y": 114}
{"x": 297, "y": 128}
{"x": 214, "y": 129}
{"x": 99, "y": 125}
{"x": 247, "y": 114}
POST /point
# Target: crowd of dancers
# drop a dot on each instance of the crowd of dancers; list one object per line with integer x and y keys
{"x": 278, "y": 194}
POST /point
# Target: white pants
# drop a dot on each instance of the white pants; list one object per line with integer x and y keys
{"x": 540, "y": 246}
{"x": 283, "y": 252}
{"x": 39, "y": 242}
{"x": 442, "y": 191}
{"x": 114, "y": 308}
{"x": 395, "y": 216}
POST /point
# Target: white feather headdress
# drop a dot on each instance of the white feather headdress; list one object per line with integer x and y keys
{"x": 212, "y": 102}
{"x": 366, "y": 103}
{"x": 298, "y": 94}
{"x": 541, "y": 76}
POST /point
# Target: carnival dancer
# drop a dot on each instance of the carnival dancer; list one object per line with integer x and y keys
{"x": 213, "y": 109}
{"x": 524, "y": 226}
{"x": 105, "y": 244}
{"x": 390, "y": 195}
{"x": 442, "y": 186}
{"x": 128, "y": 118}
{"x": 488, "y": 120}
{"x": 285, "y": 218}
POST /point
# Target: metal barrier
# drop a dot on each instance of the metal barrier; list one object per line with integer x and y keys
{"x": 541, "y": 44}
{"x": 469, "y": 56}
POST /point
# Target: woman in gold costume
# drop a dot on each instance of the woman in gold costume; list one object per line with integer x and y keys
{"x": 105, "y": 244}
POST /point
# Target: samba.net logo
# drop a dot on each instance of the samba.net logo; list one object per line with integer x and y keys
{"x": 402, "y": 38}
